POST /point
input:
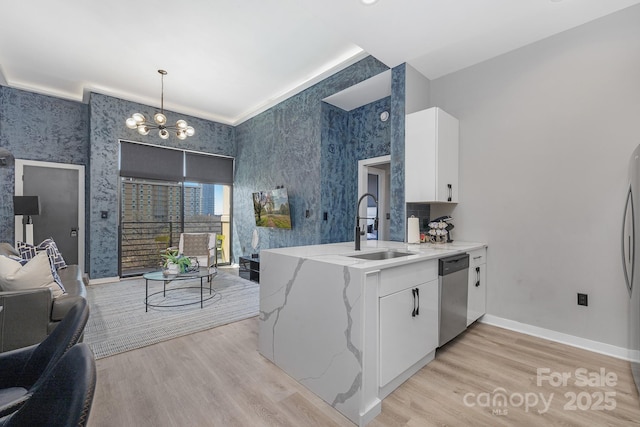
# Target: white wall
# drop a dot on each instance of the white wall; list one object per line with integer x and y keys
{"x": 545, "y": 136}
{"x": 416, "y": 91}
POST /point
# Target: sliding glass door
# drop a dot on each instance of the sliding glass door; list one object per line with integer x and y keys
{"x": 208, "y": 206}
{"x": 154, "y": 211}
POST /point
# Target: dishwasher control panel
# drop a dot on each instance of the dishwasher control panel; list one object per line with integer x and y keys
{"x": 452, "y": 264}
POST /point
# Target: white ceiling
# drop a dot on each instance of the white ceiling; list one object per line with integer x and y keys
{"x": 229, "y": 60}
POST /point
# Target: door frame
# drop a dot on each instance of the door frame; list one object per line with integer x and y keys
{"x": 19, "y": 172}
{"x": 383, "y": 202}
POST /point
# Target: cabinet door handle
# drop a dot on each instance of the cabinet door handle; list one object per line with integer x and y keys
{"x": 477, "y": 276}
{"x": 418, "y": 308}
{"x": 413, "y": 314}
{"x": 450, "y": 187}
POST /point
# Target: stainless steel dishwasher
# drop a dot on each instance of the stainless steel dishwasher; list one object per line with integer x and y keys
{"x": 453, "y": 279}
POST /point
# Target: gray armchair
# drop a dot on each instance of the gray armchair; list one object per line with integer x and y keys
{"x": 24, "y": 317}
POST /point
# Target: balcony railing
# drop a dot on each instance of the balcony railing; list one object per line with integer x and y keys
{"x": 141, "y": 243}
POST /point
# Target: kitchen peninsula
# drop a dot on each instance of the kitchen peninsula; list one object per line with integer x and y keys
{"x": 350, "y": 328}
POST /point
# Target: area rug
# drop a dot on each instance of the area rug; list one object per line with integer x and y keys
{"x": 118, "y": 321}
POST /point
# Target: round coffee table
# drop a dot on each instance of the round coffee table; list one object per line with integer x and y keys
{"x": 161, "y": 276}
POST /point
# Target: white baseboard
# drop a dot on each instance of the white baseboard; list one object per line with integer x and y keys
{"x": 583, "y": 343}
{"x": 370, "y": 413}
{"x": 387, "y": 389}
{"x": 103, "y": 280}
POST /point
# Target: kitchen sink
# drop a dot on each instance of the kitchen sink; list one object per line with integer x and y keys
{"x": 377, "y": 256}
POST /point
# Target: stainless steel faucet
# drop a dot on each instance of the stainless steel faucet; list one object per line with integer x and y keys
{"x": 358, "y": 218}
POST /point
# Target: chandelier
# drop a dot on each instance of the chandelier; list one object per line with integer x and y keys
{"x": 139, "y": 122}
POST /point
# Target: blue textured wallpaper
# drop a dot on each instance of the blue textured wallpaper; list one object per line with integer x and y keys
{"x": 338, "y": 151}
{"x": 302, "y": 143}
{"x": 107, "y": 117}
{"x": 38, "y": 127}
{"x": 371, "y": 135}
{"x": 346, "y": 138}
{"x": 283, "y": 146}
{"x": 398, "y": 211}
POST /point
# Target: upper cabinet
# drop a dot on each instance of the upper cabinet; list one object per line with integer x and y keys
{"x": 431, "y": 157}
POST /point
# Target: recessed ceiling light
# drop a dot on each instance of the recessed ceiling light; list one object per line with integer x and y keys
{"x": 368, "y": 2}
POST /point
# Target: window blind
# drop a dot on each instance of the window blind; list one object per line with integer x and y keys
{"x": 208, "y": 169}
{"x": 145, "y": 161}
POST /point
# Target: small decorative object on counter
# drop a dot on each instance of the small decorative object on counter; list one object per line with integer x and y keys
{"x": 438, "y": 232}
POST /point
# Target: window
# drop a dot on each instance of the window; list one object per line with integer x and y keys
{"x": 185, "y": 192}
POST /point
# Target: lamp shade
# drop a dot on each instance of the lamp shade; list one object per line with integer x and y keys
{"x": 26, "y": 205}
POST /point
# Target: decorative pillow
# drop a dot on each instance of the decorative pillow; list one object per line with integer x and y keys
{"x": 58, "y": 261}
{"x": 54, "y": 270}
{"x": 27, "y": 251}
{"x": 34, "y": 274}
{"x": 22, "y": 261}
{"x": 195, "y": 244}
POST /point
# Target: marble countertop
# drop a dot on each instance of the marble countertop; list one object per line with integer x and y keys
{"x": 339, "y": 253}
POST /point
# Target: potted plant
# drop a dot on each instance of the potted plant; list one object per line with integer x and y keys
{"x": 174, "y": 262}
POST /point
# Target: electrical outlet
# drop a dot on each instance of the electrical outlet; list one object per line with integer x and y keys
{"x": 583, "y": 299}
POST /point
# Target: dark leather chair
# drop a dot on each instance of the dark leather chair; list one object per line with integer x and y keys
{"x": 64, "y": 397}
{"x": 23, "y": 370}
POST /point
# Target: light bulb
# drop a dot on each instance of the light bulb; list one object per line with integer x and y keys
{"x": 190, "y": 131}
{"x": 181, "y": 134}
{"x": 181, "y": 124}
{"x": 139, "y": 118}
{"x": 143, "y": 130}
{"x": 131, "y": 123}
{"x": 164, "y": 134}
{"x": 160, "y": 118}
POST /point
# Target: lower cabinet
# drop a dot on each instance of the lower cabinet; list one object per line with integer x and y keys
{"x": 408, "y": 328}
{"x": 477, "y": 287}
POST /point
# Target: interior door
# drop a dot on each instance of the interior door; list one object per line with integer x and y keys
{"x": 380, "y": 166}
{"x": 61, "y": 192}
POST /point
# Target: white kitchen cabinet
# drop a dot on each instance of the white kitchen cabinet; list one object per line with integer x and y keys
{"x": 408, "y": 318}
{"x": 431, "y": 157}
{"x": 477, "y": 288}
{"x": 369, "y": 299}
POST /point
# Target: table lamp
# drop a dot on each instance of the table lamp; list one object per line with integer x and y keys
{"x": 27, "y": 205}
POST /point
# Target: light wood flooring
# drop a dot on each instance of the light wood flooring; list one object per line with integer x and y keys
{"x": 218, "y": 378}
